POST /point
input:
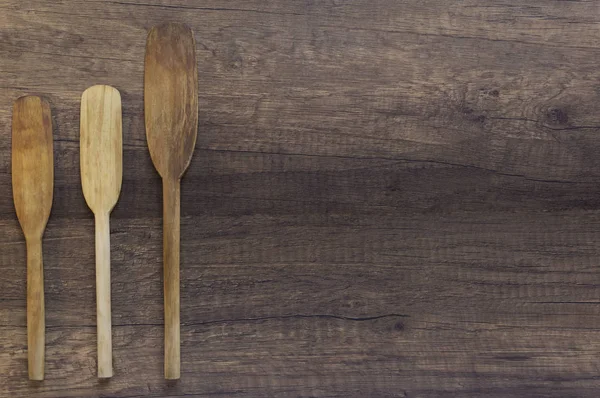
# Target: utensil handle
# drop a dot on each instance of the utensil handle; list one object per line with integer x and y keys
{"x": 103, "y": 315}
{"x": 171, "y": 220}
{"x": 36, "y": 323}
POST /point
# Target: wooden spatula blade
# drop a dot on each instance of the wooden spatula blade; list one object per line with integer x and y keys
{"x": 32, "y": 163}
{"x": 101, "y": 143}
{"x": 171, "y": 98}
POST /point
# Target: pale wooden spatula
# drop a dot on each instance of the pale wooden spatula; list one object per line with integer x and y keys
{"x": 33, "y": 183}
{"x": 101, "y": 142}
{"x": 171, "y": 114}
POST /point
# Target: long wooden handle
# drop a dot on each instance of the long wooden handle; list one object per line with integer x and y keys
{"x": 36, "y": 322}
{"x": 171, "y": 226}
{"x": 103, "y": 296}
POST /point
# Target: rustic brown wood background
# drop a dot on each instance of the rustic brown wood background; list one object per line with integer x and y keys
{"x": 387, "y": 199}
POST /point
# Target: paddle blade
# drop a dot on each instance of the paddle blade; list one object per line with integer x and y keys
{"x": 171, "y": 98}
{"x": 32, "y": 163}
{"x": 101, "y": 143}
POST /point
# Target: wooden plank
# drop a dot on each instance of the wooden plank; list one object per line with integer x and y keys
{"x": 320, "y": 356}
{"x": 256, "y": 178}
{"x": 316, "y": 256}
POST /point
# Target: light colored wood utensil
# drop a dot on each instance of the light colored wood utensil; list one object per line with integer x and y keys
{"x": 171, "y": 115}
{"x": 101, "y": 142}
{"x": 33, "y": 183}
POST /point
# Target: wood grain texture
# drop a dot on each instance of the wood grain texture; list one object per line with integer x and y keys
{"x": 32, "y": 164}
{"x": 101, "y": 152}
{"x": 387, "y": 199}
{"x": 171, "y": 120}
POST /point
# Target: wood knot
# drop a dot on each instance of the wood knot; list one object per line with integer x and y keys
{"x": 399, "y": 326}
{"x": 557, "y": 116}
{"x": 486, "y": 93}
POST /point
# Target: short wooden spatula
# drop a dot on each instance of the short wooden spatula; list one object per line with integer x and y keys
{"x": 33, "y": 183}
{"x": 101, "y": 142}
{"x": 171, "y": 114}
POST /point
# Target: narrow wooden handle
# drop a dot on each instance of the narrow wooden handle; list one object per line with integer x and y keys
{"x": 171, "y": 226}
{"x": 36, "y": 323}
{"x": 103, "y": 296}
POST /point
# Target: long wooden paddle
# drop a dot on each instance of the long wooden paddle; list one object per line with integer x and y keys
{"x": 101, "y": 142}
{"x": 171, "y": 115}
{"x": 33, "y": 183}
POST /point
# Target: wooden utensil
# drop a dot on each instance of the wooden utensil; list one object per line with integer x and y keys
{"x": 171, "y": 115}
{"x": 33, "y": 183}
{"x": 101, "y": 142}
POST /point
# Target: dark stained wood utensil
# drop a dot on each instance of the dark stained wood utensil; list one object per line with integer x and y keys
{"x": 33, "y": 183}
{"x": 171, "y": 116}
{"x": 101, "y": 144}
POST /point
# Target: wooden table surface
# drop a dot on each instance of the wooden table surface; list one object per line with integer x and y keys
{"x": 387, "y": 199}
